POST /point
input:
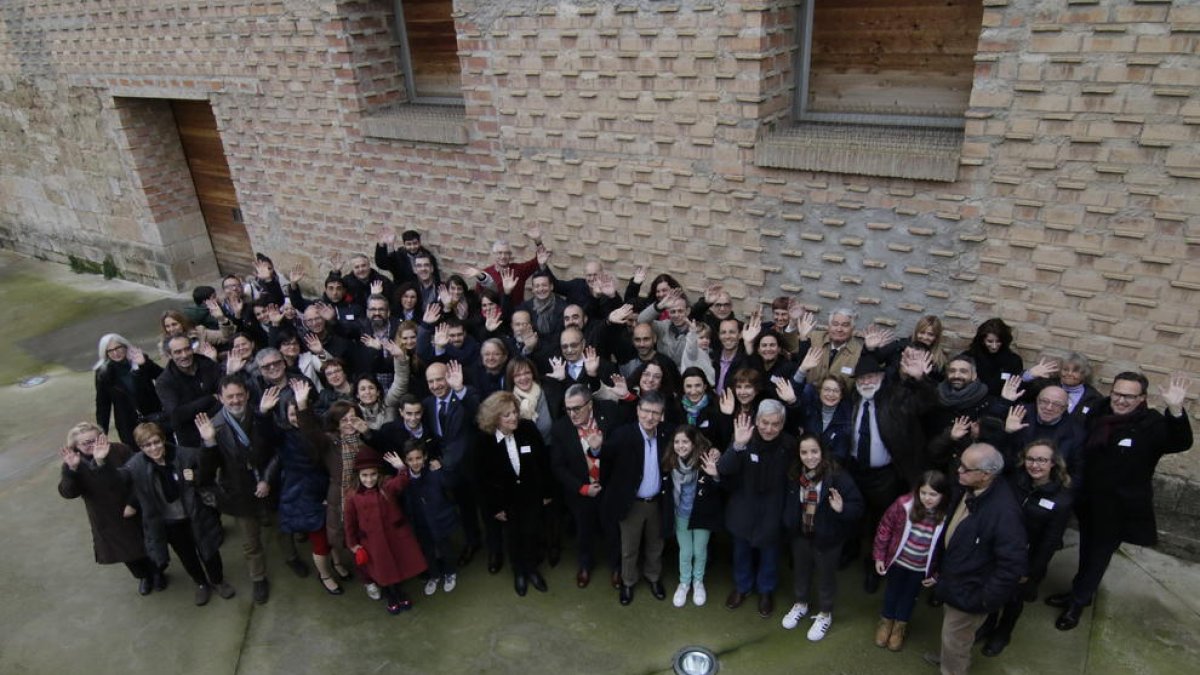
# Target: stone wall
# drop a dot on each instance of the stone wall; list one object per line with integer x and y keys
{"x": 627, "y": 131}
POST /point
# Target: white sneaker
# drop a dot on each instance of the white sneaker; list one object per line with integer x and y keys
{"x": 699, "y": 595}
{"x": 449, "y": 582}
{"x": 431, "y": 585}
{"x": 820, "y": 626}
{"x": 680, "y": 598}
{"x": 373, "y": 592}
{"x": 797, "y": 612}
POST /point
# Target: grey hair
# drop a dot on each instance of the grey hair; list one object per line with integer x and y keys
{"x": 1077, "y": 359}
{"x": 266, "y": 353}
{"x": 992, "y": 461}
{"x": 844, "y": 311}
{"x": 500, "y": 243}
{"x": 578, "y": 390}
{"x": 771, "y": 407}
{"x": 102, "y": 348}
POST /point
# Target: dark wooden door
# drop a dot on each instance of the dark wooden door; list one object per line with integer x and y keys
{"x": 214, "y": 187}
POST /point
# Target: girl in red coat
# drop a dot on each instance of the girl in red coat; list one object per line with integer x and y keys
{"x": 377, "y": 531}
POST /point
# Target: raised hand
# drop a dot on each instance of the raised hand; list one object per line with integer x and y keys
{"x": 1045, "y": 367}
{"x": 639, "y": 274}
{"x": 454, "y": 375}
{"x": 262, "y": 270}
{"x": 727, "y": 401}
{"x": 708, "y": 462}
{"x": 558, "y": 368}
{"x": 806, "y": 325}
{"x": 214, "y": 308}
{"x": 270, "y": 398}
{"x": 335, "y": 261}
{"x": 712, "y": 293}
{"x": 326, "y": 311}
{"x": 916, "y": 363}
{"x": 962, "y": 426}
{"x": 875, "y": 337}
{"x": 1012, "y": 390}
{"x": 206, "y": 429}
{"x": 534, "y": 233}
{"x": 619, "y": 386}
{"x": 70, "y": 457}
{"x": 377, "y": 287}
{"x": 443, "y": 294}
{"x": 394, "y": 459}
{"x": 207, "y": 351}
{"x": 784, "y": 390}
{"x": 543, "y": 256}
{"x": 301, "y": 389}
{"x": 388, "y": 237}
{"x": 492, "y": 319}
{"x": 1175, "y": 392}
{"x": 101, "y": 449}
{"x": 236, "y": 305}
{"x": 313, "y": 343}
{"x": 371, "y": 342}
{"x": 508, "y": 280}
{"x": 441, "y": 335}
{"x": 274, "y": 315}
{"x": 743, "y": 430}
{"x": 296, "y": 275}
{"x": 234, "y": 362}
{"x": 752, "y": 328}
{"x": 136, "y": 355}
{"x": 835, "y": 500}
{"x": 433, "y": 312}
{"x": 621, "y": 314}
{"x": 360, "y": 425}
{"x": 814, "y": 358}
{"x": 1015, "y": 421}
{"x": 395, "y": 350}
{"x": 591, "y": 361}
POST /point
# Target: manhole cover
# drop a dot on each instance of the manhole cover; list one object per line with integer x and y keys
{"x": 34, "y": 381}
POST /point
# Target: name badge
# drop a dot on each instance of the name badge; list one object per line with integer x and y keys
{"x": 704, "y": 424}
{"x": 1126, "y": 443}
{"x": 1086, "y": 410}
{"x": 754, "y": 457}
{"x": 847, "y": 370}
{"x": 525, "y": 450}
{"x": 349, "y": 317}
{"x": 1046, "y": 504}
{"x": 1004, "y": 377}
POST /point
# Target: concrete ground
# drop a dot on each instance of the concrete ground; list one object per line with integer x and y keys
{"x": 61, "y": 613}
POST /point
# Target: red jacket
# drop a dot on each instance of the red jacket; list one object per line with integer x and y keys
{"x": 893, "y": 531}
{"x": 375, "y": 521}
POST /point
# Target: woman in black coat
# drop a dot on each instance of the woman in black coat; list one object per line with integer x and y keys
{"x": 115, "y": 538}
{"x": 124, "y": 386}
{"x": 164, "y": 493}
{"x": 995, "y": 361}
{"x": 515, "y": 474}
{"x": 1042, "y": 487}
{"x": 821, "y": 511}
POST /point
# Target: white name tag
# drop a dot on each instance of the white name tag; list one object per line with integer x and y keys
{"x": 1046, "y": 504}
{"x": 1126, "y": 443}
{"x": 704, "y": 424}
{"x": 754, "y": 458}
{"x": 1004, "y": 377}
{"x": 1086, "y": 410}
{"x": 847, "y": 370}
{"x": 349, "y": 317}
{"x": 525, "y": 450}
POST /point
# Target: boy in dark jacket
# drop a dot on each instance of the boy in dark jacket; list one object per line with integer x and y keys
{"x": 433, "y": 516}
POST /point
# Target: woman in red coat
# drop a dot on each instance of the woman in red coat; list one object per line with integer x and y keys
{"x": 378, "y": 532}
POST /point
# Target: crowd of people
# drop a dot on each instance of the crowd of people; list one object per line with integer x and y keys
{"x": 401, "y": 423}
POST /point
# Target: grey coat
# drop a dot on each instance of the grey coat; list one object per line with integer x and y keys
{"x": 205, "y": 521}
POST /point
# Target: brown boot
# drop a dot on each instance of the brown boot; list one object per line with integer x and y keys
{"x": 883, "y": 631}
{"x": 896, "y": 640}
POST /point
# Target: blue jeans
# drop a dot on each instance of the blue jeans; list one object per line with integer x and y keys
{"x": 693, "y": 551}
{"x": 900, "y": 596}
{"x": 745, "y": 577}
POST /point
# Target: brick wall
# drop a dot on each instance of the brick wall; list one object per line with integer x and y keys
{"x": 627, "y": 132}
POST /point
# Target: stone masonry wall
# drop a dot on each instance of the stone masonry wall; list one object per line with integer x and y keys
{"x": 626, "y": 131}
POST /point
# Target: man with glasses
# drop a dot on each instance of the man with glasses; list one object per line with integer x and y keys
{"x": 502, "y": 263}
{"x": 577, "y": 439}
{"x": 1047, "y": 419}
{"x": 630, "y": 487}
{"x": 577, "y": 367}
{"x": 1126, "y": 438}
{"x": 981, "y": 555}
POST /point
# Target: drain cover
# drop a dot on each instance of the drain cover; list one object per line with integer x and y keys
{"x": 34, "y": 381}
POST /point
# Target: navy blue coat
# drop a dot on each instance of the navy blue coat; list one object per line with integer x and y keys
{"x": 303, "y": 484}
{"x": 428, "y": 506}
{"x": 979, "y": 569}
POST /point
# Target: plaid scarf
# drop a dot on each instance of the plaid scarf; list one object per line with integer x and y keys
{"x": 808, "y": 505}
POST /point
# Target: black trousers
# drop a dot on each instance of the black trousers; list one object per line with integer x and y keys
{"x": 179, "y": 536}
{"x": 142, "y": 568}
{"x": 1096, "y": 550}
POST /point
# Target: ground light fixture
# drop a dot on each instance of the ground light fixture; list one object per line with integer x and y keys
{"x": 695, "y": 660}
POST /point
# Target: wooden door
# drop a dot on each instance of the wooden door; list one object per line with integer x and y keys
{"x": 214, "y": 187}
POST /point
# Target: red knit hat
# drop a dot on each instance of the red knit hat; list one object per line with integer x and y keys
{"x": 367, "y": 459}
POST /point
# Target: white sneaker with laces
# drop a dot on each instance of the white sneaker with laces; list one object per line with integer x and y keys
{"x": 681, "y": 592}
{"x": 699, "y": 594}
{"x": 373, "y": 591}
{"x": 431, "y": 585}
{"x": 797, "y": 612}
{"x": 449, "y": 582}
{"x": 820, "y": 626}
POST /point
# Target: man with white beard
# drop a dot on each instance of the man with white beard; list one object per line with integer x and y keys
{"x": 888, "y": 447}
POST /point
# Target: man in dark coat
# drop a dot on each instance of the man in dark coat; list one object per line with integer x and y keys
{"x": 577, "y": 439}
{"x": 399, "y": 262}
{"x": 186, "y": 387}
{"x": 1048, "y": 420}
{"x": 115, "y": 538}
{"x": 630, "y": 482}
{"x": 238, "y": 446}
{"x": 450, "y": 417}
{"x": 1125, "y": 441}
{"x": 981, "y": 555}
{"x": 754, "y": 473}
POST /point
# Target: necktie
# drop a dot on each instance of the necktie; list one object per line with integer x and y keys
{"x": 863, "y": 451}
{"x": 832, "y": 354}
{"x": 443, "y": 417}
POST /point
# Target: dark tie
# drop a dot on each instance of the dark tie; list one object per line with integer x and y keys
{"x": 863, "y": 452}
{"x": 832, "y": 354}
{"x": 443, "y": 416}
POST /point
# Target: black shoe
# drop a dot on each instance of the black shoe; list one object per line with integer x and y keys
{"x": 766, "y": 604}
{"x": 995, "y": 644}
{"x": 495, "y": 562}
{"x": 1059, "y": 600}
{"x": 871, "y": 582}
{"x": 626, "y": 594}
{"x": 657, "y": 590}
{"x": 735, "y": 599}
{"x": 203, "y": 593}
{"x": 520, "y": 585}
{"x": 468, "y": 553}
{"x": 262, "y": 591}
{"x": 986, "y": 629}
{"x": 297, "y": 567}
{"x": 1070, "y": 617}
{"x": 342, "y": 573}
{"x": 537, "y": 581}
{"x": 330, "y": 585}
{"x": 145, "y": 586}
{"x": 161, "y": 581}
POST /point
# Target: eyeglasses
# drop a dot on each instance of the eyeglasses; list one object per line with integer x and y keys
{"x": 722, "y": 304}
{"x": 572, "y": 409}
{"x": 1117, "y": 396}
{"x": 114, "y": 348}
{"x": 1038, "y": 460}
{"x": 964, "y": 469}
{"x": 1053, "y": 405}
{"x": 272, "y": 364}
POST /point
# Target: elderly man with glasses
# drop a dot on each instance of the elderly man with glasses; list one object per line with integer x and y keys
{"x": 1047, "y": 420}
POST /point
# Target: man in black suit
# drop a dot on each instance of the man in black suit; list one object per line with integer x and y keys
{"x": 450, "y": 416}
{"x": 575, "y": 460}
{"x": 631, "y": 480}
